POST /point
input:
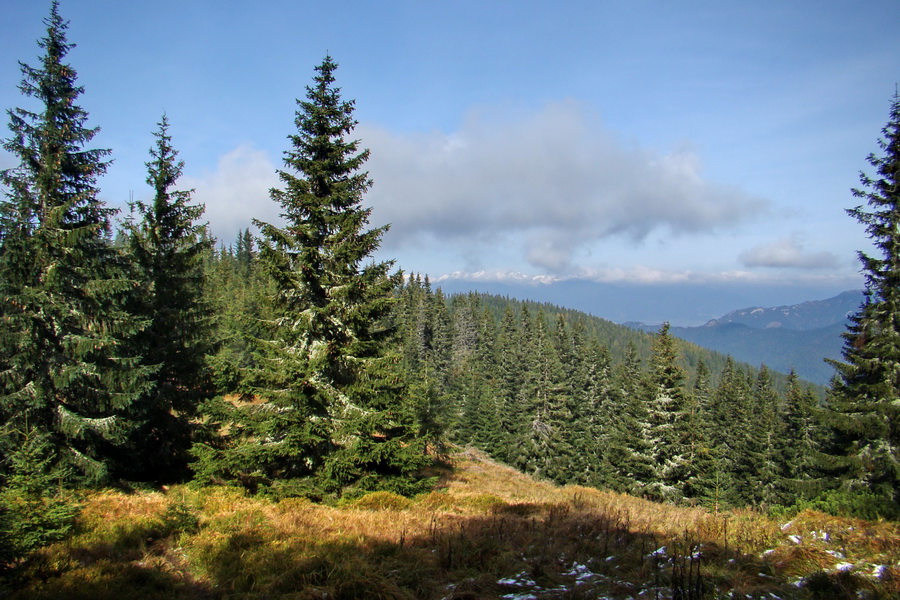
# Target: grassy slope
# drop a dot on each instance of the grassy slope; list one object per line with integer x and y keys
{"x": 486, "y": 532}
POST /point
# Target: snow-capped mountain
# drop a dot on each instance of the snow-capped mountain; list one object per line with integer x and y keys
{"x": 806, "y": 316}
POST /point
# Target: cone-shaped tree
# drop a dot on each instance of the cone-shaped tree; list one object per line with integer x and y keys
{"x": 168, "y": 247}
{"x": 63, "y": 293}
{"x": 865, "y": 398}
{"x": 668, "y": 419}
{"x": 333, "y": 402}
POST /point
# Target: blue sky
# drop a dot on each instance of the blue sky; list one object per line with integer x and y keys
{"x": 695, "y": 143}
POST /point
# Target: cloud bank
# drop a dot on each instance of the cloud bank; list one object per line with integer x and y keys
{"x": 788, "y": 253}
{"x": 236, "y": 192}
{"x": 552, "y": 183}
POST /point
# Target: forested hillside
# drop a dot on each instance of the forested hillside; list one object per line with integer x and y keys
{"x": 801, "y": 337}
{"x": 577, "y": 399}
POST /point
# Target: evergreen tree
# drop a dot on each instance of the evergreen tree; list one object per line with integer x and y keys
{"x": 237, "y": 294}
{"x": 509, "y": 377}
{"x": 865, "y": 398}
{"x": 168, "y": 248}
{"x": 799, "y": 441}
{"x": 425, "y": 326}
{"x": 332, "y": 396}
{"x": 63, "y": 293}
{"x": 594, "y": 418}
{"x": 668, "y": 419}
{"x": 630, "y": 452}
{"x": 701, "y": 456}
{"x": 544, "y": 444}
{"x": 764, "y": 438}
{"x": 729, "y": 414}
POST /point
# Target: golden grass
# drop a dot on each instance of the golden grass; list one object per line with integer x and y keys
{"x": 484, "y": 532}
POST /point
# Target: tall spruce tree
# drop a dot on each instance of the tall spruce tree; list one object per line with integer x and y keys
{"x": 332, "y": 398}
{"x": 630, "y": 450}
{"x": 865, "y": 398}
{"x": 168, "y": 246}
{"x": 799, "y": 442}
{"x": 668, "y": 418}
{"x": 64, "y": 314}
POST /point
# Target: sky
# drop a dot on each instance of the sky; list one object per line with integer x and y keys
{"x": 654, "y": 146}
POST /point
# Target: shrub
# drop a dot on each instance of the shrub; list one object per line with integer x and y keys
{"x": 34, "y": 512}
{"x": 860, "y": 504}
{"x": 381, "y": 501}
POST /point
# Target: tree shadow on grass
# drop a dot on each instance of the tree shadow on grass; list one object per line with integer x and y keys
{"x": 545, "y": 550}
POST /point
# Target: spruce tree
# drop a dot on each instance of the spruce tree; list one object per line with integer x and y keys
{"x": 630, "y": 450}
{"x": 701, "y": 485}
{"x": 865, "y": 398}
{"x": 668, "y": 419}
{"x": 168, "y": 247}
{"x": 542, "y": 395}
{"x": 595, "y": 418}
{"x": 799, "y": 444}
{"x": 331, "y": 398}
{"x": 729, "y": 413}
{"x": 65, "y": 372}
{"x": 509, "y": 378}
{"x": 764, "y": 438}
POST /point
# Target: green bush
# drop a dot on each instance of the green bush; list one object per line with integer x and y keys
{"x": 381, "y": 501}
{"x": 854, "y": 503}
{"x": 34, "y": 510}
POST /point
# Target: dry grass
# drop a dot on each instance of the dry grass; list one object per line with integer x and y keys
{"x": 486, "y": 531}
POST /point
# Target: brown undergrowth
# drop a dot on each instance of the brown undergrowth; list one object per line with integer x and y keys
{"x": 486, "y": 531}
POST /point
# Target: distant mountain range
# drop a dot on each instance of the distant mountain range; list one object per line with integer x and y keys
{"x": 799, "y": 336}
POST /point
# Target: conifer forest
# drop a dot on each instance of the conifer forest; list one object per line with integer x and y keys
{"x": 137, "y": 352}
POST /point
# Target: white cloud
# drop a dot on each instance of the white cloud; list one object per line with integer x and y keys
{"x": 642, "y": 275}
{"x": 556, "y": 181}
{"x": 236, "y": 192}
{"x": 788, "y": 253}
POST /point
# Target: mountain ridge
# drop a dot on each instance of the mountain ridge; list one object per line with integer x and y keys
{"x": 797, "y": 337}
{"x": 805, "y": 316}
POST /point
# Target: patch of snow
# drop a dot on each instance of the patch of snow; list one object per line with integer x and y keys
{"x": 520, "y": 580}
{"x": 835, "y": 553}
{"x": 878, "y": 571}
{"x": 787, "y": 526}
{"x": 581, "y": 573}
{"x": 794, "y": 538}
{"x": 658, "y": 552}
{"x": 844, "y": 566}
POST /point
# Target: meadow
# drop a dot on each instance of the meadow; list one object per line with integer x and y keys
{"x": 486, "y": 531}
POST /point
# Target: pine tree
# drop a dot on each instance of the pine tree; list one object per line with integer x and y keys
{"x": 865, "y": 398}
{"x": 168, "y": 248}
{"x": 63, "y": 294}
{"x": 333, "y": 399}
